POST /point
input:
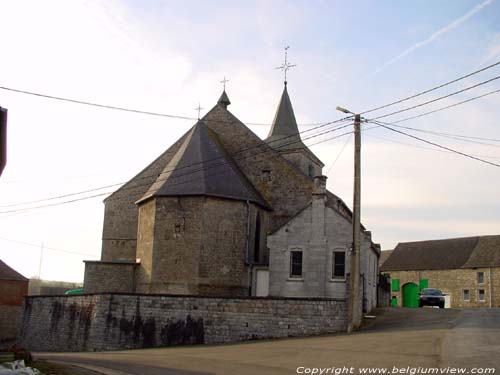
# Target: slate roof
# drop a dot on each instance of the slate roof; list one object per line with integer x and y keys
{"x": 284, "y": 133}
{"x": 202, "y": 166}
{"x": 384, "y": 255}
{"x": 7, "y": 273}
{"x": 486, "y": 253}
{"x": 452, "y": 253}
{"x": 224, "y": 99}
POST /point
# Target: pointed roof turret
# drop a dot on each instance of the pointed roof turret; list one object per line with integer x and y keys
{"x": 202, "y": 166}
{"x": 224, "y": 100}
{"x": 284, "y": 133}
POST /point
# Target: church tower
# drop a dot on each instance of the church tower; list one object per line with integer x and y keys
{"x": 284, "y": 137}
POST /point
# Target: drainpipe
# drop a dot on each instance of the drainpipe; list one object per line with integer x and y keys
{"x": 491, "y": 286}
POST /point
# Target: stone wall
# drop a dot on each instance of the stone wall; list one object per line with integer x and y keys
{"x": 453, "y": 283}
{"x": 125, "y": 321}
{"x": 10, "y": 317}
{"x": 101, "y": 276}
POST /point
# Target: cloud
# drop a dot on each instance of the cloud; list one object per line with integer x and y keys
{"x": 435, "y": 35}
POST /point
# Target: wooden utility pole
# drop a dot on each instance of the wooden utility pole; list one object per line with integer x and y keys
{"x": 353, "y": 306}
{"x": 354, "y": 318}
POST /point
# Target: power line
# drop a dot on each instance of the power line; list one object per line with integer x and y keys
{"x": 437, "y": 99}
{"x": 47, "y": 248}
{"x": 432, "y": 89}
{"x": 447, "y": 107}
{"x": 132, "y": 110}
{"x": 338, "y": 155}
{"x": 260, "y": 145}
{"x": 178, "y": 183}
{"x": 459, "y": 137}
{"x": 426, "y": 148}
{"x": 386, "y": 126}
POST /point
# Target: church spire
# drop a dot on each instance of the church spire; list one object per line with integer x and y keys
{"x": 284, "y": 132}
{"x": 224, "y": 99}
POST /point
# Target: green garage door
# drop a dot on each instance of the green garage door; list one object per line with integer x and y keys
{"x": 410, "y": 295}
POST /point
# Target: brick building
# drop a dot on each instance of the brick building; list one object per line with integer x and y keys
{"x": 13, "y": 287}
{"x": 466, "y": 269}
{"x": 218, "y": 214}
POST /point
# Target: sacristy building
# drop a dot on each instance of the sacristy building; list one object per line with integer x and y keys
{"x": 222, "y": 212}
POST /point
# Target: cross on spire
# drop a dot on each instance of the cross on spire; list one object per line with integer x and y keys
{"x": 199, "y": 110}
{"x": 224, "y": 82}
{"x": 286, "y": 65}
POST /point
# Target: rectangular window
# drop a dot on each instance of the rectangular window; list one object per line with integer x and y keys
{"x": 424, "y": 283}
{"x": 466, "y": 294}
{"x": 481, "y": 295}
{"x": 266, "y": 175}
{"x": 296, "y": 264}
{"x": 480, "y": 277}
{"x": 395, "y": 285}
{"x": 338, "y": 271}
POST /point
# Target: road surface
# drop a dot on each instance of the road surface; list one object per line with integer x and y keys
{"x": 401, "y": 339}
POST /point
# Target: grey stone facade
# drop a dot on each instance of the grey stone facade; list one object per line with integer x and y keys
{"x": 120, "y": 321}
{"x": 319, "y": 231}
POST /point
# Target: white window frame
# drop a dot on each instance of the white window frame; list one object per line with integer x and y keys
{"x": 290, "y": 276}
{"x": 332, "y": 276}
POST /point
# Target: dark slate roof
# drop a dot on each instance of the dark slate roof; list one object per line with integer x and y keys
{"x": 224, "y": 99}
{"x": 485, "y": 254}
{"x": 384, "y": 255}
{"x": 284, "y": 133}
{"x": 202, "y": 166}
{"x": 7, "y": 273}
{"x": 450, "y": 253}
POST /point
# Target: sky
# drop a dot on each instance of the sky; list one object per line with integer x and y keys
{"x": 170, "y": 56}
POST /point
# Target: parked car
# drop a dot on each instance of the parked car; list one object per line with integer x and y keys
{"x": 431, "y": 297}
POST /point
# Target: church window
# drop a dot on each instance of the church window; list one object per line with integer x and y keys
{"x": 179, "y": 228}
{"x": 256, "y": 251}
{"x": 266, "y": 175}
{"x": 296, "y": 264}
{"x": 311, "y": 170}
{"x": 338, "y": 269}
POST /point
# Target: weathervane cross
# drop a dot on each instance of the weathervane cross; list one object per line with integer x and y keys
{"x": 199, "y": 110}
{"x": 224, "y": 82}
{"x": 286, "y": 65}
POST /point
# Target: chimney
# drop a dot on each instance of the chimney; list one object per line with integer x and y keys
{"x": 319, "y": 185}
{"x": 318, "y": 207}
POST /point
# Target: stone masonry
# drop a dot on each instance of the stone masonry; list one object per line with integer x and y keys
{"x": 124, "y": 321}
{"x": 453, "y": 283}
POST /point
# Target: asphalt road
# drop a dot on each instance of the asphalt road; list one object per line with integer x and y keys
{"x": 396, "y": 338}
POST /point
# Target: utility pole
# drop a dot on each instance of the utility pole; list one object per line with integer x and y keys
{"x": 353, "y": 311}
{"x": 40, "y": 264}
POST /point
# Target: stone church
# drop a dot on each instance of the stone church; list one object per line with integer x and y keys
{"x": 222, "y": 212}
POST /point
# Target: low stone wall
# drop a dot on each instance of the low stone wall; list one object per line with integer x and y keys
{"x": 129, "y": 321}
{"x": 10, "y": 317}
